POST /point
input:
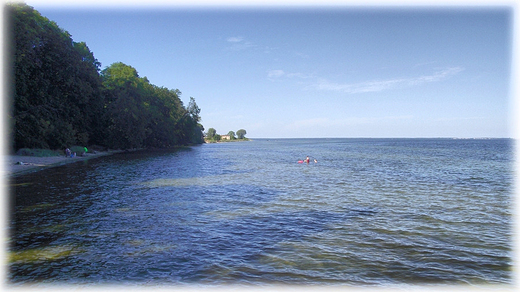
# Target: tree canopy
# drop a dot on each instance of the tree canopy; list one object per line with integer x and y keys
{"x": 241, "y": 134}
{"x": 62, "y": 98}
{"x": 231, "y": 135}
{"x": 57, "y": 83}
{"x": 212, "y": 136}
{"x": 211, "y": 133}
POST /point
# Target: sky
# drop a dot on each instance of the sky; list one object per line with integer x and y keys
{"x": 316, "y": 71}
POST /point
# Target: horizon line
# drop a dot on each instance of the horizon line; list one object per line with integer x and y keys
{"x": 455, "y": 138}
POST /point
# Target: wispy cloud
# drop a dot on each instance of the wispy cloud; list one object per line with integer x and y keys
{"x": 371, "y": 86}
{"x": 438, "y": 76}
{"x": 238, "y": 43}
{"x": 380, "y": 85}
{"x": 235, "y": 39}
{"x": 299, "y": 75}
{"x": 274, "y": 74}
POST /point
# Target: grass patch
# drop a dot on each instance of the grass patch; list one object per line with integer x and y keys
{"x": 39, "y": 152}
{"x": 36, "y": 152}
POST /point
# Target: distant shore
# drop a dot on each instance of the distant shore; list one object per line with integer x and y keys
{"x": 16, "y": 165}
{"x": 226, "y": 141}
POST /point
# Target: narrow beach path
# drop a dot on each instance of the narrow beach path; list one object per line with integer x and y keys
{"x": 14, "y": 165}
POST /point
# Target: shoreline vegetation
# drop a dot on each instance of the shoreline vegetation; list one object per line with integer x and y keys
{"x": 32, "y": 160}
{"x": 39, "y": 159}
{"x": 211, "y": 136}
{"x": 61, "y": 96}
{"x": 209, "y": 141}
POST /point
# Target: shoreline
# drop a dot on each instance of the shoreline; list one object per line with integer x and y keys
{"x": 17, "y": 165}
{"x": 226, "y": 141}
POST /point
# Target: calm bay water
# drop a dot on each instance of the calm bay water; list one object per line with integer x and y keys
{"x": 370, "y": 212}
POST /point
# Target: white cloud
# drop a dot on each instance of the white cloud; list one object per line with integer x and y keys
{"x": 235, "y": 39}
{"x": 380, "y": 85}
{"x": 239, "y": 44}
{"x": 280, "y": 73}
{"x": 371, "y": 86}
{"x": 299, "y": 75}
{"x": 275, "y": 73}
{"x": 438, "y": 75}
{"x": 368, "y": 86}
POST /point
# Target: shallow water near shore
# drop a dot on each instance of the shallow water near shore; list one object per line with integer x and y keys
{"x": 370, "y": 212}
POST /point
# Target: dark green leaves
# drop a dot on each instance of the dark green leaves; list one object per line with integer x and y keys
{"x": 61, "y": 98}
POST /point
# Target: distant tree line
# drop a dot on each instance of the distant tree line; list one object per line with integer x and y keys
{"x": 212, "y": 136}
{"x": 61, "y": 97}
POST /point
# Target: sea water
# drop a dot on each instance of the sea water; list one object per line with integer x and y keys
{"x": 369, "y": 212}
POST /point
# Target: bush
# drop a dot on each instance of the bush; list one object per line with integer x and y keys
{"x": 77, "y": 149}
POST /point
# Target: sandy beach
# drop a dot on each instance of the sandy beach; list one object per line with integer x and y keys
{"x": 15, "y": 165}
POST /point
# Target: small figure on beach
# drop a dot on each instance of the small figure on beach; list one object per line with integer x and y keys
{"x": 67, "y": 152}
{"x": 307, "y": 160}
{"x": 315, "y": 161}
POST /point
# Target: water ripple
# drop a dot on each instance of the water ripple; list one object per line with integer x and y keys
{"x": 370, "y": 212}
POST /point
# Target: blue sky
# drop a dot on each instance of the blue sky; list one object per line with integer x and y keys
{"x": 319, "y": 71}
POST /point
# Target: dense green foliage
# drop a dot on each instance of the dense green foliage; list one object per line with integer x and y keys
{"x": 211, "y": 136}
{"x": 139, "y": 114}
{"x": 56, "y": 83}
{"x": 62, "y": 98}
{"x": 241, "y": 134}
{"x": 211, "y": 133}
{"x": 38, "y": 152}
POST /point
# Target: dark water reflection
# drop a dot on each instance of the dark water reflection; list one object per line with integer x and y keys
{"x": 371, "y": 212}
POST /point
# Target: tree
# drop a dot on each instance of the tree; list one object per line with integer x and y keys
{"x": 60, "y": 96}
{"x": 195, "y": 128}
{"x": 241, "y": 134}
{"x": 57, "y": 89}
{"x": 194, "y": 110}
{"x": 198, "y": 134}
{"x": 165, "y": 112}
{"x": 125, "y": 113}
{"x": 140, "y": 114}
{"x": 211, "y": 133}
{"x": 231, "y": 135}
